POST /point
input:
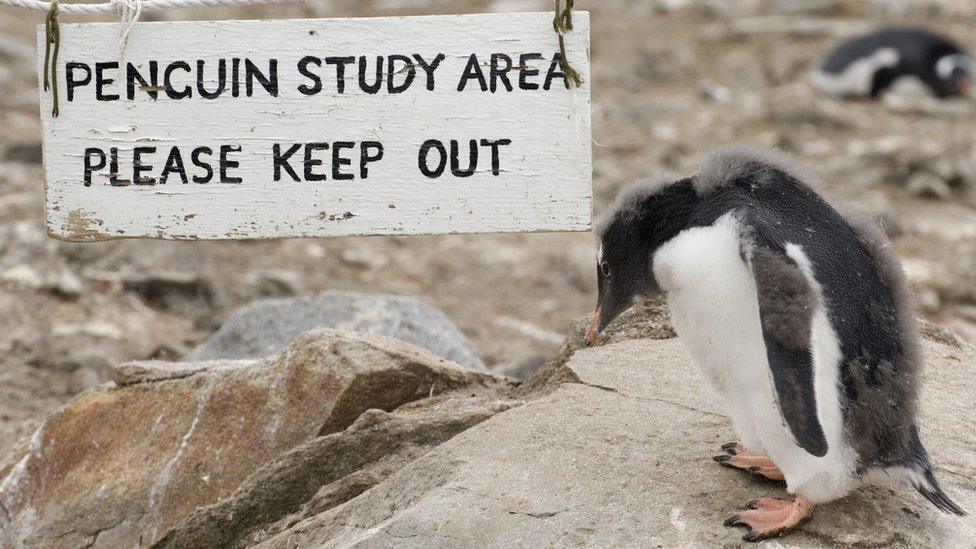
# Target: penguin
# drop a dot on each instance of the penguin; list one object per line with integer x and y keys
{"x": 908, "y": 61}
{"x": 799, "y": 319}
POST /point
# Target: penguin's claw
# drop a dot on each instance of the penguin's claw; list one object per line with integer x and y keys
{"x": 769, "y": 473}
{"x": 740, "y": 458}
{"x": 769, "y": 518}
{"x": 755, "y": 465}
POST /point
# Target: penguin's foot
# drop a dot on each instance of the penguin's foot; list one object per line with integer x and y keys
{"x": 768, "y": 517}
{"x": 740, "y": 458}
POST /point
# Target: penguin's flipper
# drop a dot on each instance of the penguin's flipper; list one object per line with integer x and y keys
{"x": 787, "y": 304}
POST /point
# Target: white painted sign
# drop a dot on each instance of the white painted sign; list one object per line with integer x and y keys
{"x": 315, "y": 127}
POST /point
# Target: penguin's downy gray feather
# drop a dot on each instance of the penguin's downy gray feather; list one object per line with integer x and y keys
{"x": 630, "y": 199}
{"x": 874, "y": 240}
{"x": 739, "y": 162}
{"x": 884, "y": 414}
{"x": 880, "y": 424}
{"x": 787, "y": 303}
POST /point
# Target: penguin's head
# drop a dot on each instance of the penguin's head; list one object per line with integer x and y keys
{"x": 955, "y": 73}
{"x": 644, "y": 216}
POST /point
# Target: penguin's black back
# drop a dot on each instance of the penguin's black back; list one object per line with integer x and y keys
{"x": 915, "y": 45}
{"x": 880, "y": 363}
{"x": 918, "y": 52}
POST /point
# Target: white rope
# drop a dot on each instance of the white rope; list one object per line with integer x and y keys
{"x": 129, "y": 12}
{"x": 141, "y": 5}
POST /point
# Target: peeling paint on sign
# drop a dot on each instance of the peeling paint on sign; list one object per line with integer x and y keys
{"x": 318, "y": 127}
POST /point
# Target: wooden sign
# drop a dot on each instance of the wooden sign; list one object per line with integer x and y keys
{"x": 316, "y": 127}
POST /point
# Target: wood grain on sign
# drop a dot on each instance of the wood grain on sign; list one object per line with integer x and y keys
{"x": 267, "y": 129}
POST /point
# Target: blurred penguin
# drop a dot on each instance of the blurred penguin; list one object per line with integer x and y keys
{"x": 905, "y": 61}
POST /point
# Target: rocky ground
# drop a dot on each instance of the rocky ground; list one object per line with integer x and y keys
{"x": 671, "y": 79}
{"x": 351, "y": 439}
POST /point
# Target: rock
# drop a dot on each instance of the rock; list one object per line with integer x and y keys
{"x": 928, "y": 185}
{"x": 68, "y": 284}
{"x": 28, "y": 153}
{"x": 276, "y": 283}
{"x": 61, "y": 281}
{"x": 23, "y": 275}
{"x": 345, "y": 464}
{"x": 363, "y": 258}
{"x": 264, "y": 327}
{"x": 122, "y": 464}
{"x": 647, "y": 320}
{"x": 622, "y": 458}
{"x": 173, "y": 291}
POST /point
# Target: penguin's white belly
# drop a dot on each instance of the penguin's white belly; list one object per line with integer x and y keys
{"x": 715, "y": 310}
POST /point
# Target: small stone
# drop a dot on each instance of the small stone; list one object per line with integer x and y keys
{"x": 27, "y": 153}
{"x": 23, "y": 275}
{"x": 69, "y": 284}
{"x": 928, "y": 185}
{"x": 929, "y": 300}
{"x": 92, "y": 328}
{"x": 364, "y": 258}
{"x": 171, "y": 290}
{"x": 276, "y": 283}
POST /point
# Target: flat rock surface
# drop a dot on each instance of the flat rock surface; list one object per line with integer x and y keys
{"x": 622, "y": 458}
{"x": 121, "y": 464}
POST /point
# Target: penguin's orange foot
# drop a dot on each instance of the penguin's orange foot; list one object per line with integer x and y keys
{"x": 768, "y": 518}
{"x": 740, "y": 458}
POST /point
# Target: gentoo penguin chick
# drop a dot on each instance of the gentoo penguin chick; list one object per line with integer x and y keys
{"x": 798, "y": 318}
{"x": 909, "y": 61}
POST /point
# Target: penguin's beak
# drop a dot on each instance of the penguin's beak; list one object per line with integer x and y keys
{"x": 594, "y": 330}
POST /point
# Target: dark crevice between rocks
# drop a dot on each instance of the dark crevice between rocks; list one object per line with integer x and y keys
{"x": 130, "y": 374}
{"x": 544, "y": 515}
{"x": 600, "y": 387}
{"x": 389, "y": 390}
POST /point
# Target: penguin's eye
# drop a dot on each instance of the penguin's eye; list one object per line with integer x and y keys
{"x": 605, "y": 268}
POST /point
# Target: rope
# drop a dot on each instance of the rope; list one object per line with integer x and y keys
{"x": 130, "y": 12}
{"x": 52, "y": 35}
{"x": 562, "y": 23}
{"x": 114, "y": 6}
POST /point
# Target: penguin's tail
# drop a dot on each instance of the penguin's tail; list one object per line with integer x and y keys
{"x": 923, "y": 478}
{"x": 929, "y": 487}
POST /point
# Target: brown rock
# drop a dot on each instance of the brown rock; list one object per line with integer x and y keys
{"x": 327, "y": 471}
{"x": 122, "y": 464}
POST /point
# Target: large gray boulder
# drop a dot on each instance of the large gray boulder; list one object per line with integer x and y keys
{"x": 265, "y": 327}
{"x": 621, "y": 458}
